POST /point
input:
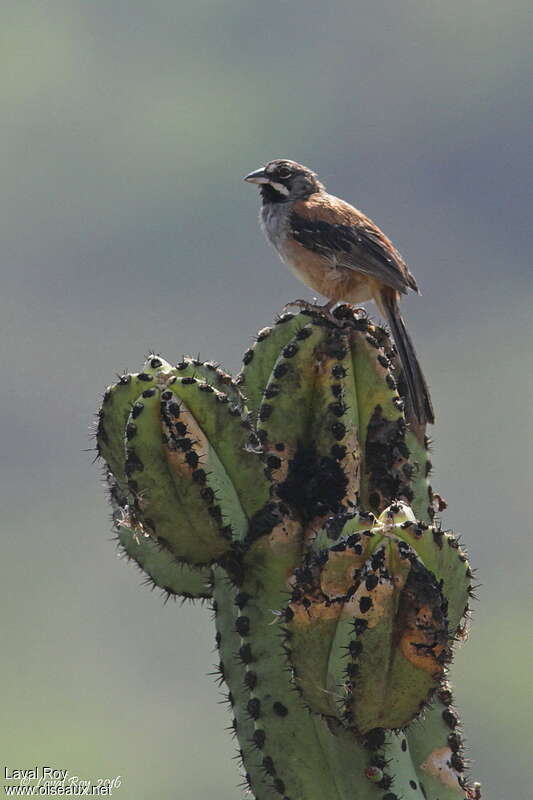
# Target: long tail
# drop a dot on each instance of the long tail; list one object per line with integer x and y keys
{"x": 417, "y": 388}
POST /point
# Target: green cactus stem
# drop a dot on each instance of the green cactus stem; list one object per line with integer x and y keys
{"x": 175, "y": 578}
{"x": 296, "y": 498}
{"x": 387, "y": 633}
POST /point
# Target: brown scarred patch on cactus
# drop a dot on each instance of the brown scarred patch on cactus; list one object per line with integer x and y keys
{"x": 338, "y": 575}
{"x": 181, "y": 437}
{"x": 285, "y": 531}
{"x": 423, "y": 619}
{"x": 313, "y": 611}
{"x": 315, "y": 485}
{"x": 385, "y": 455}
{"x": 438, "y": 764}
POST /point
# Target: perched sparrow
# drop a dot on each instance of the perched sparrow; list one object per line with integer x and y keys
{"x": 338, "y": 251}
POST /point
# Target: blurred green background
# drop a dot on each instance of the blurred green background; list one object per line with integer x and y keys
{"x": 126, "y": 129}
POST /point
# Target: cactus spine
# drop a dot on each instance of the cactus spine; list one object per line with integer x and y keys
{"x": 296, "y": 497}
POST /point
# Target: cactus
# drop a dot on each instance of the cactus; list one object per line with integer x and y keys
{"x": 296, "y": 498}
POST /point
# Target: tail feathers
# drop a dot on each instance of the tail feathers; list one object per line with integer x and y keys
{"x": 417, "y": 388}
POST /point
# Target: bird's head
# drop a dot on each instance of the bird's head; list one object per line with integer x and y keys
{"x": 282, "y": 180}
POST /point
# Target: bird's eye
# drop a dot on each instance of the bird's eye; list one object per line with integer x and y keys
{"x": 283, "y": 172}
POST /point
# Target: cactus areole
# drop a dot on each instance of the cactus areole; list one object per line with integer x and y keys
{"x": 296, "y": 499}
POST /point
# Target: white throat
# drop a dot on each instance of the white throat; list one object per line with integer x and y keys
{"x": 279, "y": 187}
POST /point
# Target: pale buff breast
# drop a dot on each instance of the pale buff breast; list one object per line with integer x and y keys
{"x": 326, "y": 277}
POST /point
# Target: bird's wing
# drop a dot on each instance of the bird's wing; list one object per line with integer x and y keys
{"x": 331, "y": 227}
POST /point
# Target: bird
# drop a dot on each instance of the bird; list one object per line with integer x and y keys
{"x": 336, "y": 250}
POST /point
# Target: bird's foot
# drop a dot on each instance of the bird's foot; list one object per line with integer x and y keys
{"x": 305, "y": 305}
{"x": 338, "y": 314}
{"x": 346, "y": 310}
{"x": 314, "y": 308}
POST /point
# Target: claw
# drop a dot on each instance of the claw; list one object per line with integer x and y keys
{"x": 305, "y": 305}
{"x": 314, "y": 308}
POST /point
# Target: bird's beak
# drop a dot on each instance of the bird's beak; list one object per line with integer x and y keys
{"x": 258, "y": 176}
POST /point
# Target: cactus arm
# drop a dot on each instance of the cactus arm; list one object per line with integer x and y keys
{"x": 191, "y": 456}
{"x": 113, "y": 416}
{"x": 369, "y": 641}
{"x": 433, "y": 584}
{"x": 168, "y": 501}
{"x": 229, "y": 604}
{"x": 223, "y": 436}
{"x": 259, "y": 360}
{"x": 374, "y": 677}
{"x": 175, "y": 579}
{"x": 212, "y": 374}
{"x": 205, "y": 371}
{"x": 159, "y": 566}
{"x": 116, "y": 407}
{"x": 298, "y": 764}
